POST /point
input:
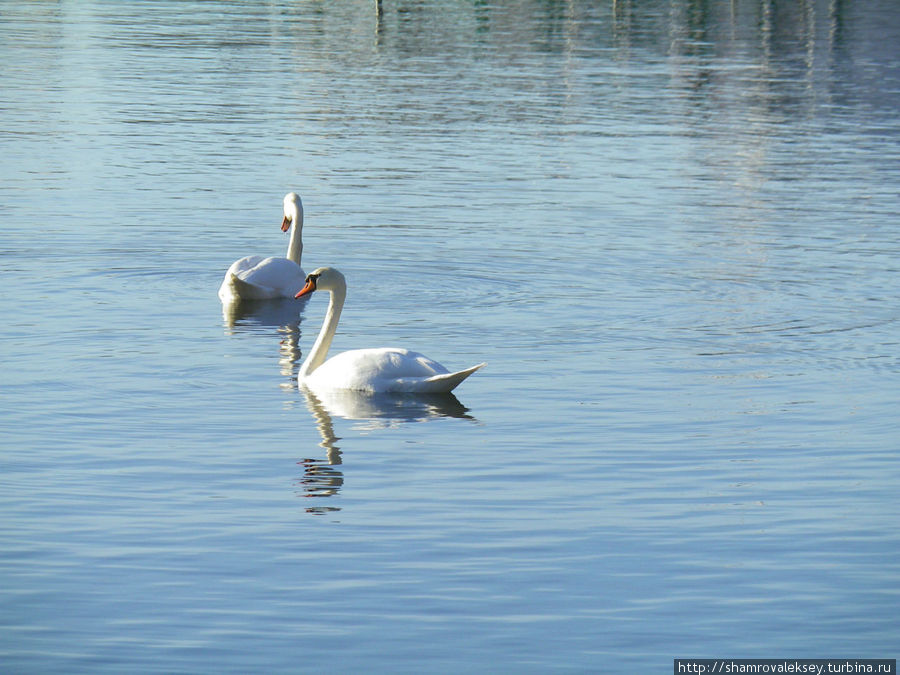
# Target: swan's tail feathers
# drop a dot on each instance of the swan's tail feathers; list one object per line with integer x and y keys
{"x": 446, "y": 382}
{"x": 244, "y": 290}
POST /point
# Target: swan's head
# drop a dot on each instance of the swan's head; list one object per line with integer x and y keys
{"x": 293, "y": 210}
{"x": 323, "y": 279}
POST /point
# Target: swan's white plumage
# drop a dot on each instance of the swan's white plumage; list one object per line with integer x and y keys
{"x": 256, "y": 277}
{"x": 385, "y": 369}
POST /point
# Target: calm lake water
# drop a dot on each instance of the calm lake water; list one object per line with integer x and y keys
{"x": 671, "y": 228}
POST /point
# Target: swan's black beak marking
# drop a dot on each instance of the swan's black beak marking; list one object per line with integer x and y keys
{"x": 286, "y": 224}
{"x": 309, "y": 287}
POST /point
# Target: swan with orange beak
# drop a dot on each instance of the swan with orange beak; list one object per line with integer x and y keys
{"x": 384, "y": 369}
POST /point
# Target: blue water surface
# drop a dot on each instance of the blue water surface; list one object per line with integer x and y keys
{"x": 669, "y": 227}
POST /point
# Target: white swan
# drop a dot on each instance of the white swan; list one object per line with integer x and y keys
{"x": 257, "y": 278}
{"x": 368, "y": 370}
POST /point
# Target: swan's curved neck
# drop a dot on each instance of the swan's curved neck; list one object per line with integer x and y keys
{"x": 295, "y": 246}
{"x": 319, "y": 351}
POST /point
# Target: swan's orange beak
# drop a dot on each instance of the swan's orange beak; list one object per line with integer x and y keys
{"x": 285, "y": 224}
{"x": 309, "y": 288}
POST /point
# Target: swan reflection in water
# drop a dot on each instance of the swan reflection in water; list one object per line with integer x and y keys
{"x": 284, "y": 315}
{"x": 367, "y": 411}
{"x": 379, "y": 411}
{"x": 320, "y": 477}
{"x": 279, "y": 312}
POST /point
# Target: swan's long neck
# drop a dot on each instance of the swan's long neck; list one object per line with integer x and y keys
{"x": 295, "y": 246}
{"x": 319, "y": 351}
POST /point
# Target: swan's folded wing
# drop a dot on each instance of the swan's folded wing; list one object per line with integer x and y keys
{"x": 280, "y": 274}
{"x": 245, "y": 264}
{"x": 257, "y": 278}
